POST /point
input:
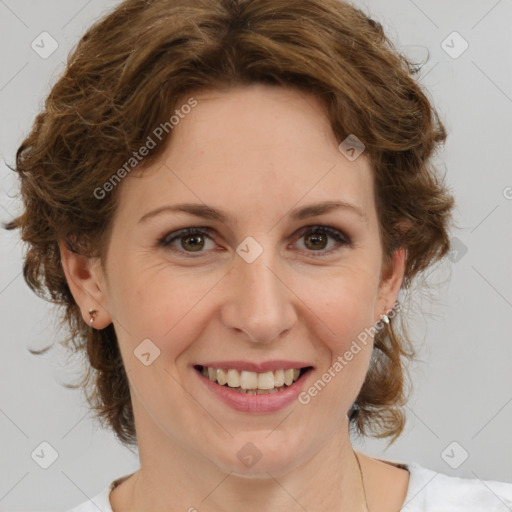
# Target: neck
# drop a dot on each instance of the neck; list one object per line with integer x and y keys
{"x": 328, "y": 478}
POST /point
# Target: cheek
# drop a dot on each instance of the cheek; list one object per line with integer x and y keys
{"x": 163, "y": 305}
{"x": 344, "y": 304}
{"x": 346, "y": 315}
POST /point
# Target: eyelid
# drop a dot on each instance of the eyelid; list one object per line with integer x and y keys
{"x": 341, "y": 238}
{"x": 172, "y": 236}
{"x": 329, "y": 230}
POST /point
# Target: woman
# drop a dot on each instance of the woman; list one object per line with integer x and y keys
{"x": 227, "y": 198}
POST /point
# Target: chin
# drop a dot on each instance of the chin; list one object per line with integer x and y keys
{"x": 255, "y": 455}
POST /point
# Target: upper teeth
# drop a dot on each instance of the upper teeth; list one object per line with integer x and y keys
{"x": 252, "y": 380}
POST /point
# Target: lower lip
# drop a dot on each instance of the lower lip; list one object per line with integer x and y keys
{"x": 255, "y": 403}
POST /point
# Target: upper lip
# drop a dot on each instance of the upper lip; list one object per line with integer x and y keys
{"x": 251, "y": 366}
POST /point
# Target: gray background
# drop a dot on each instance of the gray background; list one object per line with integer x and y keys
{"x": 462, "y": 379}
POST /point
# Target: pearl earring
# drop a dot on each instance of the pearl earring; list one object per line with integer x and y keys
{"x": 92, "y": 313}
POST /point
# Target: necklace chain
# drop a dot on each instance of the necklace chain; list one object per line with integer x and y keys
{"x": 362, "y": 481}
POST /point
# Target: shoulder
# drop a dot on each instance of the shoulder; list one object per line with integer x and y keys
{"x": 431, "y": 491}
{"x": 100, "y": 502}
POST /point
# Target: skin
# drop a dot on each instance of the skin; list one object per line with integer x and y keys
{"x": 256, "y": 152}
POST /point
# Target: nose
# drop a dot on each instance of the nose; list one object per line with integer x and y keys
{"x": 258, "y": 302}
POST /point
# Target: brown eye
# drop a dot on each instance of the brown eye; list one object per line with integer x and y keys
{"x": 316, "y": 241}
{"x": 192, "y": 242}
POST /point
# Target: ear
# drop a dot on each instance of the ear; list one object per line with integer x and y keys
{"x": 391, "y": 281}
{"x": 86, "y": 281}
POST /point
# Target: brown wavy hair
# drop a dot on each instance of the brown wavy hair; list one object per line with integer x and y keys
{"x": 127, "y": 74}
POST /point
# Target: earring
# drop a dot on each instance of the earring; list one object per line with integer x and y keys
{"x": 92, "y": 313}
{"x": 385, "y": 318}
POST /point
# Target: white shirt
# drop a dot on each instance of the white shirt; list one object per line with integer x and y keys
{"x": 428, "y": 491}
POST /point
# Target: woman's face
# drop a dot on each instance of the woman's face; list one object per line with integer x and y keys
{"x": 257, "y": 287}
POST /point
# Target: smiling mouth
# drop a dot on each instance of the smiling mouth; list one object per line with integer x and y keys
{"x": 252, "y": 383}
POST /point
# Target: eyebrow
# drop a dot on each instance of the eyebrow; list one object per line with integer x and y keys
{"x": 207, "y": 212}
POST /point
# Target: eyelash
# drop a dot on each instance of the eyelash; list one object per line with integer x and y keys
{"x": 337, "y": 235}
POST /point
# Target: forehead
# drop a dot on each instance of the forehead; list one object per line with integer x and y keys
{"x": 251, "y": 148}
